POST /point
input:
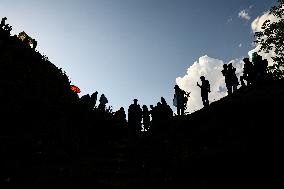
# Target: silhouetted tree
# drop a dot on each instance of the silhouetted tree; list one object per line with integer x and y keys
{"x": 271, "y": 38}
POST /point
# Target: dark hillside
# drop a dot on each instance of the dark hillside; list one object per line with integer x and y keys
{"x": 50, "y": 138}
{"x": 30, "y": 84}
{"x": 36, "y": 106}
{"x": 237, "y": 142}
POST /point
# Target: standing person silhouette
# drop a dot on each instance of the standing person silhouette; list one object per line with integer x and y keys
{"x": 146, "y": 118}
{"x": 103, "y": 102}
{"x": 34, "y": 44}
{"x": 233, "y": 77}
{"x": 228, "y": 82}
{"x": 179, "y": 100}
{"x": 248, "y": 72}
{"x": 120, "y": 116}
{"x": 94, "y": 97}
{"x": 3, "y": 22}
{"x": 134, "y": 118}
{"x": 205, "y": 89}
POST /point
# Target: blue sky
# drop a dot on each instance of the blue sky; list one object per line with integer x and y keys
{"x": 130, "y": 49}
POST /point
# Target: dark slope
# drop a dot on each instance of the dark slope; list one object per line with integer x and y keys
{"x": 36, "y": 105}
{"x": 48, "y": 138}
{"x": 31, "y": 86}
{"x": 237, "y": 142}
{"x": 46, "y": 133}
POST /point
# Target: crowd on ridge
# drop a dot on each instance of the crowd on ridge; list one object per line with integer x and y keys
{"x": 253, "y": 71}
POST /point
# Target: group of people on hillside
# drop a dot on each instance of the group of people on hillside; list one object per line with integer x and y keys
{"x": 181, "y": 96}
{"x": 150, "y": 118}
{"x": 252, "y": 72}
{"x": 89, "y": 101}
{"x": 231, "y": 79}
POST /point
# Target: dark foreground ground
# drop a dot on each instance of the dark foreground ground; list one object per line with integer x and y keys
{"x": 49, "y": 139}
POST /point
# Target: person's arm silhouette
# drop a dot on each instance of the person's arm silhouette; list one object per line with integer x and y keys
{"x": 198, "y": 84}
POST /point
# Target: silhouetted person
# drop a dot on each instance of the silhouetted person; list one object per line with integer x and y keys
{"x": 103, "y": 102}
{"x": 7, "y": 29}
{"x": 227, "y": 80}
{"x": 34, "y": 44}
{"x": 134, "y": 118}
{"x": 3, "y": 22}
{"x": 89, "y": 101}
{"x": 233, "y": 77}
{"x": 161, "y": 115}
{"x": 231, "y": 80}
{"x": 153, "y": 115}
{"x": 85, "y": 101}
{"x": 205, "y": 89}
{"x": 185, "y": 101}
{"x": 260, "y": 66}
{"x": 146, "y": 117}
{"x": 120, "y": 116}
{"x": 167, "y": 112}
{"x": 179, "y": 100}
{"x": 158, "y": 114}
{"x": 248, "y": 72}
{"x": 94, "y": 97}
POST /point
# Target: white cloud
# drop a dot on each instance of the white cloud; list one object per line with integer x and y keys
{"x": 244, "y": 14}
{"x": 240, "y": 45}
{"x": 230, "y": 20}
{"x": 211, "y": 68}
{"x": 257, "y": 23}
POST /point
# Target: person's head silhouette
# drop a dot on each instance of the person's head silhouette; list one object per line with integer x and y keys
{"x": 176, "y": 88}
{"x": 246, "y": 60}
{"x": 135, "y": 101}
{"x": 144, "y": 107}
